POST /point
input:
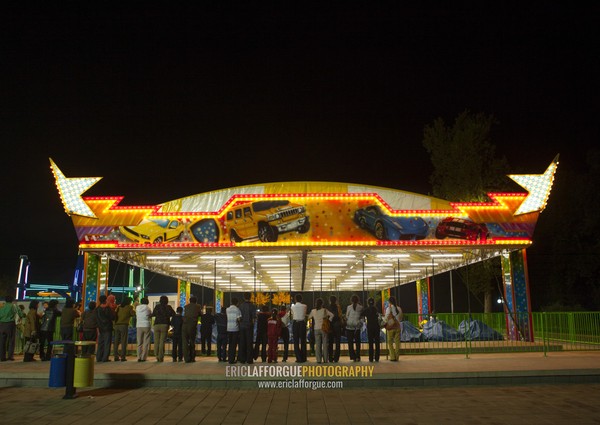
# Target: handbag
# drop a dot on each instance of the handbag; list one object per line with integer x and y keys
{"x": 341, "y": 316}
{"x": 326, "y": 326}
{"x": 392, "y": 323}
{"x": 31, "y": 347}
{"x": 381, "y": 320}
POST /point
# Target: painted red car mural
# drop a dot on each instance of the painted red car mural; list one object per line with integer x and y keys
{"x": 462, "y": 229}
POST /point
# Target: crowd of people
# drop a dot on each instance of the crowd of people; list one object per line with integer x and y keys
{"x": 107, "y": 324}
{"x": 327, "y": 324}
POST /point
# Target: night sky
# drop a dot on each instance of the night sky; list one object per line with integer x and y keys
{"x": 166, "y": 102}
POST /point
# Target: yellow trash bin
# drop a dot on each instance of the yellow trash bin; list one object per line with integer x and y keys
{"x": 84, "y": 371}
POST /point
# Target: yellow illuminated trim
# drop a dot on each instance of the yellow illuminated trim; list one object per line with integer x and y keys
{"x": 456, "y": 242}
{"x": 70, "y": 191}
{"x": 538, "y": 186}
{"x": 502, "y": 208}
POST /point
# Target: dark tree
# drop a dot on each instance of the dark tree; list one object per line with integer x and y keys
{"x": 574, "y": 279}
{"x": 463, "y": 158}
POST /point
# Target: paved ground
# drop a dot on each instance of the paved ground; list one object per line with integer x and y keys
{"x": 535, "y": 404}
{"x": 411, "y": 371}
{"x": 503, "y": 389}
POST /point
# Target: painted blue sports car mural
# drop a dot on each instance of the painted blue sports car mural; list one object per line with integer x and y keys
{"x": 389, "y": 228}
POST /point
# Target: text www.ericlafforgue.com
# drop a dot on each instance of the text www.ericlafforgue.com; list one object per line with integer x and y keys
{"x": 301, "y": 384}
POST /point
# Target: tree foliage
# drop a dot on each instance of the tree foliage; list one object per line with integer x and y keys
{"x": 463, "y": 158}
{"x": 574, "y": 280}
{"x": 465, "y": 169}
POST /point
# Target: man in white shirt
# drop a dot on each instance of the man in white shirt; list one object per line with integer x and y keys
{"x": 299, "y": 329}
{"x": 234, "y": 315}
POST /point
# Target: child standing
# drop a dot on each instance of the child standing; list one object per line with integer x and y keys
{"x": 273, "y": 333}
{"x": 177, "y": 324}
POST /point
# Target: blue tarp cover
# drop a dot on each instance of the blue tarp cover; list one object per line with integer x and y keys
{"x": 476, "y": 330}
{"x": 410, "y": 333}
{"x": 438, "y": 330}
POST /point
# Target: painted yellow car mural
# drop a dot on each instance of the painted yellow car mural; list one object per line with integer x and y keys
{"x": 154, "y": 231}
{"x": 266, "y": 220}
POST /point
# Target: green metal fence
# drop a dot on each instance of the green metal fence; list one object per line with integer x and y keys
{"x": 537, "y": 332}
{"x": 560, "y": 331}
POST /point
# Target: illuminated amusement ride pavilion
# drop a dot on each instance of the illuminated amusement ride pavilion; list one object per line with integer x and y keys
{"x": 292, "y": 237}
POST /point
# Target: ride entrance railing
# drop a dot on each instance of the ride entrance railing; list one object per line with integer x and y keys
{"x": 464, "y": 333}
{"x": 499, "y": 332}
